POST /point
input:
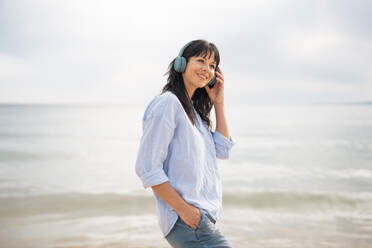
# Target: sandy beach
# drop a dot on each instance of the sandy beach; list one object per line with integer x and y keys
{"x": 67, "y": 178}
{"x": 307, "y": 225}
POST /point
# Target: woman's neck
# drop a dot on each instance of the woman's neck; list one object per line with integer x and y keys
{"x": 190, "y": 90}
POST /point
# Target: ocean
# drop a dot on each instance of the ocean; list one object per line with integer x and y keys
{"x": 298, "y": 176}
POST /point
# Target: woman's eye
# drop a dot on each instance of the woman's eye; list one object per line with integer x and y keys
{"x": 202, "y": 60}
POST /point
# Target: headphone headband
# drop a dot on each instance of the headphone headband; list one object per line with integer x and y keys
{"x": 180, "y": 64}
{"x": 183, "y": 49}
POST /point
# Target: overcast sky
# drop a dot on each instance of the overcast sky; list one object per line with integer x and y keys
{"x": 91, "y": 51}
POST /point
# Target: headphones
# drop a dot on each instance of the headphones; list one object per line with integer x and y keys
{"x": 180, "y": 65}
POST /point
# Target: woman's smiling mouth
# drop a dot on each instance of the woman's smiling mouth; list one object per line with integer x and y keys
{"x": 202, "y": 76}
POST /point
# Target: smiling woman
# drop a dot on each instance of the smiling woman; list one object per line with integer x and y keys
{"x": 199, "y": 71}
{"x": 184, "y": 80}
{"x": 178, "y": 150}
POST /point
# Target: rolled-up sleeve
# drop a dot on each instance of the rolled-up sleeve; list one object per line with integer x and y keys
{"x": 222, "y": 144}
{"x": 158, "y": 131}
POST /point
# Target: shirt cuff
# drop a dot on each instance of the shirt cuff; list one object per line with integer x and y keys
{"x": 154, "y": 177}
{"x": 222, "y": 140}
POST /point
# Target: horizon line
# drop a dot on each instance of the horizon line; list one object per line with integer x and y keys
{"x": 367, "y": 102}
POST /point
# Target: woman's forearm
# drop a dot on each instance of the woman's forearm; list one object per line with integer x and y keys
{"x": 221, "y": 123}
{"x": 188, "y": 213}
{"x": 166, "y": 192}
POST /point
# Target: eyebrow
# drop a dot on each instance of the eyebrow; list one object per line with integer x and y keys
{"x": 205, "y": 57}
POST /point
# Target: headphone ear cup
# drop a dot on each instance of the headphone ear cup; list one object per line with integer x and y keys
{"x": 177, "y": 64}
{"x": 180, "y": 64}
{"x": 183, "y": 64}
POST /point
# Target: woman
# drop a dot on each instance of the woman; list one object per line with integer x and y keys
{"x": 178, "y": 150}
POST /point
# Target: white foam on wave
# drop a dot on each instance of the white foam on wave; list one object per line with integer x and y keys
{"x": 352, "y": 173}
{"x": 297, "y": 201}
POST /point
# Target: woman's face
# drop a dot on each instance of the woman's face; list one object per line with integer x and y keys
{"x": 199, "y": 71}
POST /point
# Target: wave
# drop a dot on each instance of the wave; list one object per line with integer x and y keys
{"x": 75, "y": 204}
{"x": 10, "y": 156}
{"x": 299, "y": 201}
{"x": 111, "y": 204}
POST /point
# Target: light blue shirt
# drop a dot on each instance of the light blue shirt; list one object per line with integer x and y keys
{"x": 174, "y": 150}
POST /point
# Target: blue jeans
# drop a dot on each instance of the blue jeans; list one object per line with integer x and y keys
{"x": 205, "y": 235}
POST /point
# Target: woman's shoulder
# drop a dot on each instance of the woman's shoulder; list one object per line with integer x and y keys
{"x": 167, "y": 98}
{"x": 166, "y": 103}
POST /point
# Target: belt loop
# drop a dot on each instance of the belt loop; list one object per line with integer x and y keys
{"x": 211, "y": 219}
{"x": 208, "y": 215}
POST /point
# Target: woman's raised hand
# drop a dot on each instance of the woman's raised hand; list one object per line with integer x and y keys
{"x": 216, "y": 94}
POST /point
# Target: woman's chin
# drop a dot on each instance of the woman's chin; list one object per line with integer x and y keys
{"x": 202, "y": 84}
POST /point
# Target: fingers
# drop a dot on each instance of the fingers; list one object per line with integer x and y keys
{"x": 192, "y": 220}
{"x": 197, "y": 222}
{"x": 219, "y": 76}
{"x": 219, "y": 71}
{"x": 207, "y": 88}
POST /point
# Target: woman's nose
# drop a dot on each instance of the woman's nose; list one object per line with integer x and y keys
{"x": 206, "y": 68}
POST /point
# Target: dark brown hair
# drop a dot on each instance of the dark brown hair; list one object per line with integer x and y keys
{"x": 175, "y": 84}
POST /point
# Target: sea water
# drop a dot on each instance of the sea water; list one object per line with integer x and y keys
{"x": 298, "y": 176}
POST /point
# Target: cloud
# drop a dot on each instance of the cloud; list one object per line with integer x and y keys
{"x": 117, "y": 51}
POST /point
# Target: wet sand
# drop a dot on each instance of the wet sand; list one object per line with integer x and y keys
{"x": 242, "y": 228}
